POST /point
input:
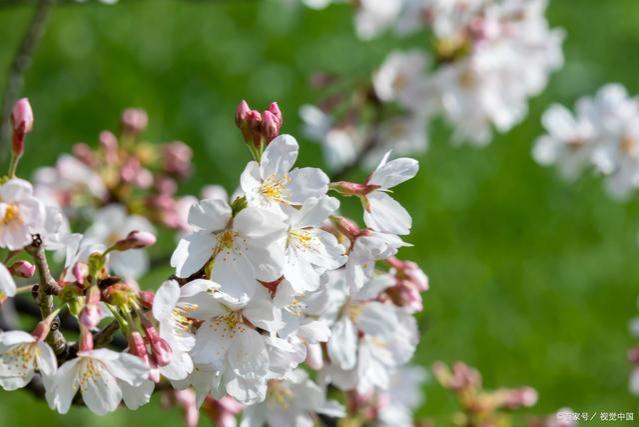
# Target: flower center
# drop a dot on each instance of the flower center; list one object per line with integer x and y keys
{"x": 226, "y": 239}
{"x": 354, "y": 310}
{"x": 22, "y": 356}
{"x": 301, "y": 238}
{"x": 181, "y": 318}
{"x": 279, "y": 394}
{"x": 90, "y": 370}
{"x": 628, "y": 145}
{"x": 274, "y": 188}
{"x": 11, "y": 213}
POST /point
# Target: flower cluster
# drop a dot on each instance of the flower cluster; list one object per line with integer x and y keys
{"x": 489, "y": 58}
{"x": 267, "y": 282}
{"x": 479, "y": 407}
{"x": 603, "y": 134}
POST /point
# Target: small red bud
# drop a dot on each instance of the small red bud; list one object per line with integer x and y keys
{"x": 23, "y": 269}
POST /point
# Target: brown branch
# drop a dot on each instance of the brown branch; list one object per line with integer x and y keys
{"x": 19, "y": 66}
{"x": 46, "y": 288}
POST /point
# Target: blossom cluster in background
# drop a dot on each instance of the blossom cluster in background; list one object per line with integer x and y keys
{"x": 601, "y": 135}
{"x": 489, "y": 58}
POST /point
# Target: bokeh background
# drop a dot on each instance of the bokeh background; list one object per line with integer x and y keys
{"x": 533, "y": 280}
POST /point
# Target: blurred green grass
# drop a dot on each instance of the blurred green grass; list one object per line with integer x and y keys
{"x": 533, "y": 280}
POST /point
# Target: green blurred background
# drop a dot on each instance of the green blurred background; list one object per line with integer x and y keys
{"x": 533, "y": 280}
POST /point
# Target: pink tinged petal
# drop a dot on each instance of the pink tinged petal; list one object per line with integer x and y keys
{"x": 14, "y": 383}
{"x": 101, "y": 393}
{"x": 377, "y": 319}
{"x": 300, "y": 273}
{"x": 262, "y": 314}
{"x": 374, "y": 287}
{"x": 247, "y": 391}
{"x": 314, "y": 331}
{"x": 279, "y": 157}
{"x": 16, "y": 189}
{"x": 179, "y": 368}
{"x": 136, "y": 397}
{"x": 386, "y": 214}
{"x": 235, "y": 273}
{"x": 342, "y": 347}
{"x": 197, "y": 286}
{"x": 559, "y": 122}
{"x": 123, "y": 366}
{"x": 47, "y": 362}
{"x": 314, "y": 211}
{"x": 165, "y": 299}
{"x": 11, "y": 338}
{"x": 212, "y": 341}
{"x": 210, "y": 215}
{"x": 250, "y": 180}
{"x": 390, "y": 174}
{"x": 60, "y": 393}
{"x": 192, "y": 253}
{"x": 247, "y": 356}
{"x": 306, "y": 183}
{"x": 7, "y": 284}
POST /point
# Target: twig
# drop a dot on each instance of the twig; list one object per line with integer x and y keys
{"x": 19, "y": 66}
{"x": 46, "y": 289}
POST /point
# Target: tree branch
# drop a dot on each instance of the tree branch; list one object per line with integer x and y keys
{"x": 20, "y": 64}
{"x": 46, "y": 289}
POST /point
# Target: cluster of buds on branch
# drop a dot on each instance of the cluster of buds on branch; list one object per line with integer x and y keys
{"x": 258, "y": 129}
{"x": 124, "y": 170}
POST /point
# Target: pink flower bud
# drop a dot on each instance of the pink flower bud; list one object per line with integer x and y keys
{"x": 23, "y": 269}
{"x": 135, "y": 240}
{"x": 254, "y": 124}
{"x": 161, "y": 350}
{"x": 84, "y": 153}
{"x": 134, "y": 120}
{"x": 241, "y": 112}
{"x": 516, "y": 398}
{"x": 270, "y": 126}
{"x": 90, "y": 316}
{"x": 353, "y": 189}
{"x": 80, "y": 272}
{"x": 110, "y": 146}
{"x": 129, "y": 171}
{"x": 177, "y": 159}
{"x": 137, "y": 347}
{"x": 147, "y": 297}
{"x": 86, "y": 339}
{"x": 186, "y": 399}
{"x": 22, "y": 121}
{"x": 274, "y": 109}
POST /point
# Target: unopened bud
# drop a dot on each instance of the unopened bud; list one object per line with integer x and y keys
{"x": 22, "y": 121}
{"x": 80, "y": 272}
{"x": 352, "y": 188}
{"x": 90, "y": 315}
{"x": 110, "y": 146}
{"x": 147, "y": 298}
{"x": 135, "y": 240}
{"x": 134, "y": 120}
{"x": 270, "y": 126}
{"x": 84, "y": 153}
{"x": 43, "y": 327}
{"x": 162, "y": 352}
{"x": 86, "y": 339}
{"x": 177, "y": 159}
{"x": 274, "y": 109}
{"x": 23, "y": 269}
{"x": 241, "y": 112}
